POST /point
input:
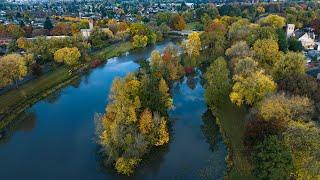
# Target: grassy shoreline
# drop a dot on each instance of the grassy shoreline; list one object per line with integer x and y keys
{"x": 15, "y": 101}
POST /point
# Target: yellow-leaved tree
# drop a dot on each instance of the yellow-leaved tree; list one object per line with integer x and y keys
{"x": 273, "y": 20}
{"x": 252, "y": 89}
{"x": 12, "y": 68}
{"x": 193, "y": 44}
{"x": 69, "y": 56}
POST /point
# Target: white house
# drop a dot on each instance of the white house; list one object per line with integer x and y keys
{"x": 305, "y": 36}
{"x": 307, "y": 40}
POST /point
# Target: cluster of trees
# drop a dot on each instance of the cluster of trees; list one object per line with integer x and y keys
{"x": 12, "y": 31}
{"x": 14, "y": 66}
{"x": 136, "y": 118}
{"x": 270, "y": 79}
{"x": 174, "y": 21}
{"x": 142, "y": 35}
{"x": 44, "y": 49}
{"x": 107, "y": 31}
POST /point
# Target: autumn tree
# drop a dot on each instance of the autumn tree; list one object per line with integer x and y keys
{"x": 274, "y": 21}
{"x": 69, "y": 56}
{"x": 239, "y": 50}
{"x": 61, "y": 29}
{"x": 290, "y": 63}
{"x": 129, "y": 128}
{"x": 239, "y": 30}
{"x": 245, "y": 67}
{"x": 168, "y": 66}
{"x": 266, "y": 52}
{"x": 177, "y": 22}
{"x": 252, "y": 89}
{"x": 303, "y": 142}
{"x": 315, "y": 24}
{"x": 15, "y": 31}
{"x": 140, "y": 41}
{"x": 192, "y": 45}
{"x": 23, "y": 43}
{"x": 142, "y": 30}
{"x": 283, "y": 108}
{"x": 260, "y": 9}
{"x": 12, "y": 69}
{"x": 213, "y": 40}
{"x": 302, "y": 85}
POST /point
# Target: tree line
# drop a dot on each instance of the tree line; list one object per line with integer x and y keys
{"x": 259, "y": 72}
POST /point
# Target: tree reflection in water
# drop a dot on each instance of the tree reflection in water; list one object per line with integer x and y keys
{"x": 215, "y": 164}
{"x": 25, "y": 122}
{"x": 210, "y": 129}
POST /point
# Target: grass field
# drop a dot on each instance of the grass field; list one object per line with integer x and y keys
{"x": 16, "y": 100}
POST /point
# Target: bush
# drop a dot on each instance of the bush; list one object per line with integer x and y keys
{"x": 36, "y": 69}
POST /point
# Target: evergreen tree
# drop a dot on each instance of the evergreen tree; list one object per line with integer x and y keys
{"x": 282, "y": 40}
{"x": 48, "y": 24}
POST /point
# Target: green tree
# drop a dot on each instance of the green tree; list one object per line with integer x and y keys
{"x": 217, "y": 83}
{"x": 47, "y": 24}
{"x": 294, "y": 45}
{"x": 98, "y": 38}
{"x": 163, "y": 17}
{"x": 272, "y": 160}
{"x": 266, "y": 52}
{"x": 12, "y": 69}
{"x": 290, "y": 63}
{"x": 213, "y": 40}
{"x": 282, "y": 40}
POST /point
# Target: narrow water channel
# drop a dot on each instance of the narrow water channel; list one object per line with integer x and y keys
{"x": 54, "y": 138}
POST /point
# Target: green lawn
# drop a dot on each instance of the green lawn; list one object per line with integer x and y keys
{"x": 16, "y": 100}
{"x": 113, "y": 50}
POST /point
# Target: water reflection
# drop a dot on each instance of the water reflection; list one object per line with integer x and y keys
{"x": 210, "y": 129}
{"x": 192, "y": 79}
{"x": 54, "y": 137}
{"x": 26, "y": 122}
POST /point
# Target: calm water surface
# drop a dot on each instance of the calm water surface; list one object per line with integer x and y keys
{"x": 54, "y": 138}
